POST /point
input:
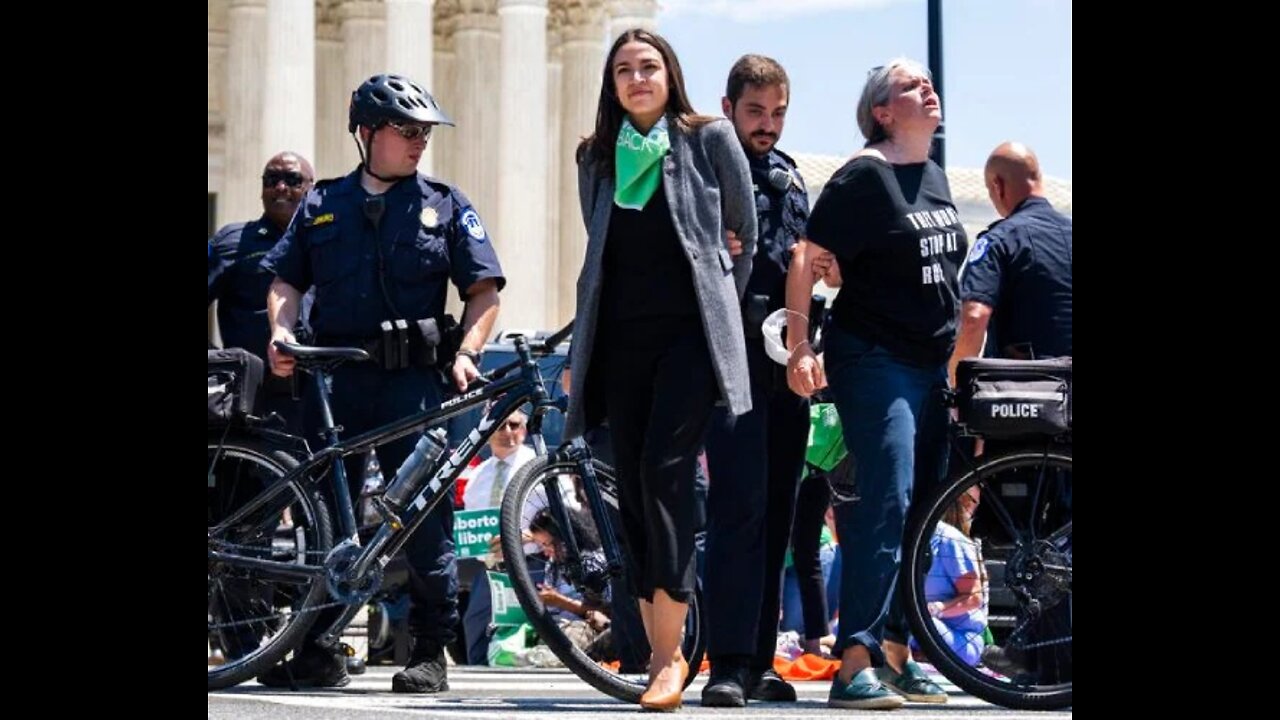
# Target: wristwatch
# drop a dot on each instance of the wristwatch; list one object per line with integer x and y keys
{"x": 474, "y": 355}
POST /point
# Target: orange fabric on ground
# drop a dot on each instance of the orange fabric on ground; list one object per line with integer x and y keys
{"x": 806, "y": 667}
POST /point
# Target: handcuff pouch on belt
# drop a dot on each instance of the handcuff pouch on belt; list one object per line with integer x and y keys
{"x": 426, "y": 343}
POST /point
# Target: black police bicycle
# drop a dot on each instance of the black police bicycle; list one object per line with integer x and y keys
{"x": 1020, "y": 537}
{"x": 273, "y": 562}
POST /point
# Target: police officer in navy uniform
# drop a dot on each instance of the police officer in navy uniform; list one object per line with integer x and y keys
{"x": 383, "y": 244}
{"x": 754, "y": 461}
{"x": 1019, "y": 269}
{"x": 1017, "y": 285}
{"x": 239, "y": 283}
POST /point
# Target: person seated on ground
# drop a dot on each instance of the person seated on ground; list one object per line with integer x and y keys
{"x": 585, "y": 614}
{"x": 956, "y": 588}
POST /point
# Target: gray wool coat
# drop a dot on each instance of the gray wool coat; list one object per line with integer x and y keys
{"x": 708, "y": 185}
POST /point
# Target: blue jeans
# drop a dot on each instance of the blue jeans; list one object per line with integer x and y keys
{"x": 895, "y": 428}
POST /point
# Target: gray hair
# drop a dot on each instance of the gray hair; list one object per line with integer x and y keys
{"x": 876, "y": 93}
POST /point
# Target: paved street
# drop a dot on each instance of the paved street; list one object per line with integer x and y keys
{"x": 524, "y": 693}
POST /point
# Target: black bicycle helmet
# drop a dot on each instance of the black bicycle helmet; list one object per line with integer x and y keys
{"x": 382, "y": 98}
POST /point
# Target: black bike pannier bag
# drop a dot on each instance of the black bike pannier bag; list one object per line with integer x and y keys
{"x": 234, "y": 378}
{"x": 1012, "y": 398}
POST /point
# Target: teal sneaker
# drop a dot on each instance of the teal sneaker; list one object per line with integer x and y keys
{"x": 913, "y": 684}
{"x": 864, "y": 692}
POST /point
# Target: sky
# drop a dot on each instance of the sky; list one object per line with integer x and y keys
{"x": 1006, "y": 72}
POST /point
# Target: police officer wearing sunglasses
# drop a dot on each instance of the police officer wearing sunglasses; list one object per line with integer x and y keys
{"x": 239, "y": 283}
{"x": 381, "y": 246}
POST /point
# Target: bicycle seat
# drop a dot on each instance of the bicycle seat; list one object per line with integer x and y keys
{"x": 310, "y": 356}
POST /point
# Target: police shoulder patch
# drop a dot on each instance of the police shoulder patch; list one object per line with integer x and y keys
{"x": 979, "y": 248}
{"x": 471, "y": 221}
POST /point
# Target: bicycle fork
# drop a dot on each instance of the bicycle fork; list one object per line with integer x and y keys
{"x": 578, "y": 453}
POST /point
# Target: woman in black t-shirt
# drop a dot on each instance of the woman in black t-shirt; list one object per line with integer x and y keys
{"x": 888, "y": 218}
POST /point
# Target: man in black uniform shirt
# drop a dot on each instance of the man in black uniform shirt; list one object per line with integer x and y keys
{"x": 239, "y": 283}
{"x": 754, "y": 461}
{"x": 1019, "y": 269}
{"x": 1017, "y": 285}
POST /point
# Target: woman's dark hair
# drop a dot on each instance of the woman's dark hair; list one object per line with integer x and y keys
{"x": 584, "y": 529}
{"x": 609, "y": 111}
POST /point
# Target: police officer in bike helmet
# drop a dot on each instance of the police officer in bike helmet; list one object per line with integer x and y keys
{"x": 381, "y": 245}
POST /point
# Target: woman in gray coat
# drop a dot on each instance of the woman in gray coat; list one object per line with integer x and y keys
{"x": 658, "y": 338}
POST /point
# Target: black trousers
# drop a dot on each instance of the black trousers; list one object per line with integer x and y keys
{"x": 365, "y": 397}
{"x": 754, "y": 462}
{"x": 806, "y": 534}
{"x": 659, "y": 390}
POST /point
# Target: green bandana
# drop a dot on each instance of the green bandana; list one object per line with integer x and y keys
{"x": 638, "y": 163}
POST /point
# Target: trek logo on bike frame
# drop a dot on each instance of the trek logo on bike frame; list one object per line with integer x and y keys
{"x": 455, "y": 459}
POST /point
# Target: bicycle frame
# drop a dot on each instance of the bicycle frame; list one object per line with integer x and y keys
{"x": 507, "y": 396}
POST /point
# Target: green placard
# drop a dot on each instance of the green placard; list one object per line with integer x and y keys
{"x": 472, "y": 531}
{"x": 502, "y": 597}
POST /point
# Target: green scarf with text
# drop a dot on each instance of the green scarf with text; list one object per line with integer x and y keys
{"x": 638, "y": 163}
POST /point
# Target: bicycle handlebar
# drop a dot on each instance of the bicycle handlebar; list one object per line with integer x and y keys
{"x": 549, "y": 345}
{"x": 541, "y": 348}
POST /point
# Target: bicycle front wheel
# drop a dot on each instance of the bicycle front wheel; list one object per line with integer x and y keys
{"x": 255, "y": 615}
{"x": 614, "y": 660}
{"x": 991, "y": 550}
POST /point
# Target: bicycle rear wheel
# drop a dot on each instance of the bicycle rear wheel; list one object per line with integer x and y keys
{"x": 1021, "y": 539}
{"x": 614, "y": 662}
{"x": 256, "y": 616}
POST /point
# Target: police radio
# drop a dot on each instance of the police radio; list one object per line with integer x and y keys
{"x": 780, "y": 179}
{"x": 374, "y": 206}
{"x": 777, "y": 178}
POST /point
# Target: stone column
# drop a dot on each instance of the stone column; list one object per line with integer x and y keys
{"x": 363, "y": 27}
{"x": 217, "y": 77}
{"x": 555, "y": 157}
{"x": 627, "y": 14}
{"x": 445, "y": 89}
{"x": 409, "y": 50}
{"x": 246, "y": 57}
{"x": 475, "y": 157}
{"x": 521, "y": 236}
{"x": 583, "y": 48}
{"x": 289, "y": 99}
{"x": 332, "y": 96}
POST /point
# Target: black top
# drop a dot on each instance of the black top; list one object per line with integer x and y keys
{"x": 780, "y": 214}
{"x": 646, "y": 273}
{"x": 899, "y": 242}
{"x": 1021, "y": 268}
